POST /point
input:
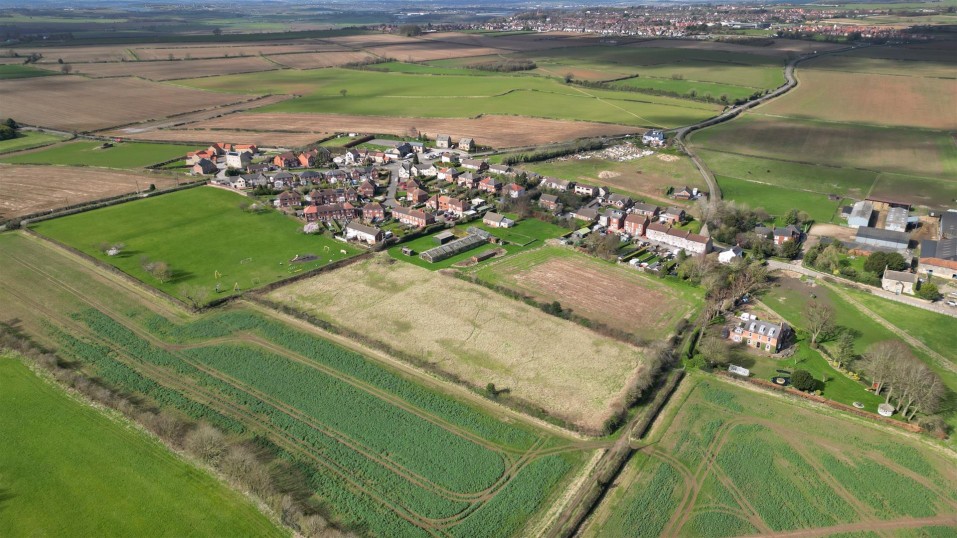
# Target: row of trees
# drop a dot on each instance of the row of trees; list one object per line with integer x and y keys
{"x": 9, "y": 129}
{"x": 900, "y": 376}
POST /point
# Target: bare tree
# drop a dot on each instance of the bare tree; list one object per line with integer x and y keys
{"x": 66, "y": 69}
{"x": 819, "y": 320}
{"x": 880, "y": 361}
{"x": 715, "y": 350}
{"x": 207, "y": 443}
{"x": 195, "y": 294}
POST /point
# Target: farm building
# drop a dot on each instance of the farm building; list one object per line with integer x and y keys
{"x": 896, "y": 219}
{"x": 470, "y": 241}
{"x": 366, "y": 234}
{"x": 238, "y": 159}
{"x": 497, "y": 220}
{"x": 938, "y": 258}
{"x": 758, "y": 334}
{"x": 884, "y": 239}
{"x": 204, "y": 166}
{"x": 948, "y": 225}
{"x": 444, "y": 237}
{"x": 860, "y": 214}
{"x": 899, "y": 282}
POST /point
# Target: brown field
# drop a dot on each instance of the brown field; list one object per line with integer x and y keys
{"x": 423, "y": 51}
{"x": 315, "y": 60}
{"x": 205, "y": 136}
{"x": 520, "y": 43}
{"x": 473, "y": 333}
{"x": 165, "y": 70}
{"x": 193, "y": 117}
{"x": 105, "y": 53}
{"x": 75, "y": 103}
{"x": 870, "y": 99}
{"x": 27, "y": 189}
{"x": 494, "y": 131}
{"x": 234, "y": 49}
{"x": 363, "y": 41}
{"x": 779, "y": 47}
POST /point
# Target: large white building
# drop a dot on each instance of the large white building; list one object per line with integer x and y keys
{"x": 681, "y": 239}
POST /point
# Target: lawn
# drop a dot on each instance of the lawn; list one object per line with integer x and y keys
{"x": 69, "y": 470}
{"x": 27, "y": 140}
{"x": 127, "y": 155}
{"x": 200, "y": 233}
{"x": 9, "y": 71}
{"x": 704, "y": 472}
{"x": 778, "y": 200}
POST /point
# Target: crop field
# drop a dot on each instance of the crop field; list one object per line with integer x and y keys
{"x": 474, "y": 334}
{"x": 619, "y": 297}
{"x": 98, "y": 103}
{"x": 204, "y": 237}
{"x": 115, "y": 477}
{"x": 167, "y": 70}
{"x": 213, "y": 50}
{"x": 728, "y": 461}
{"x": 129, "y": 155}
{"x": 315, "y": 60}
{"x": 488, "y": 130}
{"x": 779, "y": 48}
{"x": 21, "y": 71}
{"x": 28, "y": 189}
{"x": 27, "y": 140}
{"x": 402, "y": 459}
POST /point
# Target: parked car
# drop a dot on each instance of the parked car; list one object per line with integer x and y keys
{"x": 951, "y": 303}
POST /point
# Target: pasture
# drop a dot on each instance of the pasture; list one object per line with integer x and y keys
{"x": 473, "y": 334}
{"x": 726, "y": 461}
{"x": 777, "y": 201}
{"x": 616, "y": 296}
{"x": 404, "y": 458}
{"x": 204, "y": 237}
{"x": 115, "y": 477}
{"x": 13, "y": 71}
{"x": 27, "y": 140}
{"x": 128, "y": 155}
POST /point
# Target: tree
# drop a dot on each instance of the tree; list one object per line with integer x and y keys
{"x": 569, "y": 77}
{"x": 410, "y": 30}
{"x": 803, "y": 380}
{"x": 790, "y": 249}
{"x": 819, "y": 320}
{"x": 195, "y": 294}
{"x": 845, "y": 348}
{"x": 715, "y": 350}
{"x": 207, "y": 443}
{"x": 929, "y": 291}
{"x": 343, "y": 92}
{"x": 217, "y": 31}
{"x": 66, "y": 69}
{"x": 490, "y": 390}
{"x": 792, "y": 216}
{"x": 876, "y": 262}
{"x": 880, "y": 361}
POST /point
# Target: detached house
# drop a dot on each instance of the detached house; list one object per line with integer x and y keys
{"x": 417, "y": 196}
{"x": 620, "y": 201}
{"x": 367, "y": 189}
{"x": 585, "y": 190}
{"x": 500, "y": 169}
{"x": 443, "y": 141}
{"x": 514, "y": 190}
{"x": 474, "y": 164}
{"x": 448, "y": 174}
{"x": 899, "y": 282}
{"x": 672, "y": 215}
{"x": 649, "y": 210}
{"x": 309, "y": 159}
{"x": 467, "y": 144}
{"x": 549, "y": 202}
{"x": 497, "y": 220}
{"x": 684, "y": 193}
{"x": 238, "y": 160}
{"x": 467, "y": 180}
{"x": 788, "y": 233}
{"x": 445, "y": 203}
{"x": 760, "y": 334}
{"x": 613, "y": 219}
{"x": 204, "y": 166}
{"x": 490, "y": 184}
{"x": 366, "y": 234}
{"x": 557, "y": 184}
{"x": 586, "y": 214}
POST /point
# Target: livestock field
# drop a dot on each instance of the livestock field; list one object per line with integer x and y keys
{"x": 618, "y": 297}
{"x": 114, "y": 477}
{"x": 130, "y": 155}
{"x": 205, "y": 238}
{"x": 403, "y": 458}
{"x": 28, "y": 189}
{"x": 727, "y": 461}
{"x": 473, "y": 334}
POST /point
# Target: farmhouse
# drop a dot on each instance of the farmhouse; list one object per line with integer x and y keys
{"x": 496, "y": 220}
{"x": 948, "y": 225}
{"x": 938, "y": 258}
{"x": 557, "y": 184}
{"x": 329, "y": 212}
{"x": 653, "y": 137}
{"x": 760, "y": 334}
{"x": 467, "y": 144}
{"x": 373, "y": 211}
{"x": 899, "y": 282}
{"x": 681, "y": 239}
{"x": 514, "y": 190}
{"x": 412, "y": 217}
{"x": 549, "y": 202}
{"x": 882, "y": 239}
{"x": 204, "y": 166}
{"x": 366, "y": 234}
{"x": 635, "y": 224}
{"x": 672, "y": 215}
{"x": 443, "y": 141}
{"x": 896, "y": 219}
{"x": 238, "y": 160}
{"x": 650, "y": 210}
{"x": 193, "y": 157}
{"x": 788, "y": 233}
{"x": 860, "y": 214}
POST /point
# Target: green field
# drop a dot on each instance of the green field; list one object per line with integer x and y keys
{"x": 777, "y": 200}
{"x": 411, "y": 95}
{"x": 728, "y": 462}
{"x": 127, "y": 155}
{"x": 198, "y": 232}
{"x": 67, "y": 469}
{"x": 27, "y": 140}
{"x": 403, "y": 458}
{"x": 10, "y": 71}
{"x": 689, "y": 88}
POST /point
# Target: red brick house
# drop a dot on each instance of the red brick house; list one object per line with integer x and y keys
{"x": 367, "y": 189}
{"x": 373, "y": 212}
{"x": 289, "y": 199}
{"x": 447, "y": 203}
{"x": 417, "y": 196}
{"x": 285, "y": 160}
{"x": 549, "y": 202}
{"x": 490, "y": 184}
{"x": 328, "y": 212}
{"x": 308, "y": 159}
{"x": 204, "y": 166}
{"x": 635, "y": 224}
{"x": 412, "y": 217}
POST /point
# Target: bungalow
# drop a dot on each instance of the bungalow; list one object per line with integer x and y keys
{"x": 585, "y": 190}
{"x": 635, "y": 224}
{"x": 329, "y": 212}
{"x": 285, "y": 160}
{"x": 490, "y": 184}
{"x": 238, "y": 160}
{"x": 258, "y": 168}
{"x": 500, "y": 169}
{"x": 497, "y": 220}
{"x": 680, "y": 239}
{"x": 938, "y": 258}
{"x": 412, "y": 217}
{"x": 474, "y": 164}
{"x": 366, "y": 234}
{"x": 672, "y": 215}
{"x": 467, "y": 144}
{"x": 367, "y": 189}
{"x": 450, "y": 158}
{"x": 788, "y": 233}
{"x": 373, "y": 211}
{"x": 289, "y": 199}
{"x": 417, "y": 196}
{"x": 557, "y": 184}
{"x": 649, "y": 210}
{"x": 204, "y": 166}
{"x": 684, "y": 193}
{"x": 899, "y": 282}
{"x": 620, "y": 201}
{"x": 760, "y": 334}
{"x": 586, "y": 214}
{"x": 549, "y": 202}
{"x": 514, "y": 190}
{"x": 654, "y": 138}
{"x": 443, "y": 141}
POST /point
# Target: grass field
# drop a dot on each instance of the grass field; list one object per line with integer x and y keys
{"x": 617, "y": 296}
{"x": 127, "y": 155}
{"x": 473, "y": 334}
{"x": 403, "y": 458}
{"x": 726, "y": 461}
{"x": 776, "y": 200}
{"x": 27, "y": 140}
{"x": 22, "y": 71}
{"x": 198, "y": 232}
{"x": 103, "y": 477}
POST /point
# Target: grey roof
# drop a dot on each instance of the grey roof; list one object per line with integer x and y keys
{"x": 862, "y": 210}
{"x": 763, "y": 327}
{"x": 900, "y": 276}
{"x": 494, "y": 217}
{"x": 371, "y": 230}
{"x": 586, "y": 212}
{"x": 948, "y": 224}
{"x": 444, "y": 235}
{"x": 674, "y": 211}
{"x": 866, "y": 232}
{"x": 945, "y": 249}
{"x": 896, "y": 218}
{"x": 551, "y": 198}
{"x": 787, "y": 231}
{"x": 648, "y": 208}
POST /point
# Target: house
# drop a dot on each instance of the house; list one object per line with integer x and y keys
{"x": 258, "y": 168}
{"x": 948, "y": 225}
{"x": 366, "y": 234}
{"x": 635, "y": 224}
{"x": 680, "y": 239}
{"x": 412, "y": 217}
{"x": 367, "y": 189}
{"x": 649, "y": 210}
{"x": 329, "y": 212}
{"x": 417, "y": 196}
{"x": 443, "y": 141}
{"x": 684, "y": 193}
{"x": 309, "y": 177}
{"x": 896, "y": 219}
{"x": 289, "y": 199}
{"x": 238, "y": 160}
{"x": 613, "y": 219}
{"x": 373, "y": 212}
{"x": 308, "y": 159}
{"x": 514, "y": 190}
{"x": 490, "y": 184}
{"x": 474, "y": 164}
{"x": 445, "y": 203}
{"x": 238, "y": 182}
{"x": 282, "y": 179}
{"x": 450, "y": 158}
{"x": 428, "y": 170}
{"x": 586, "y": 214}
{"x": 467, "y": 144}
{"x": 585, "y": 190}
{"x": 404, "y": 148}
{"x": 549, "y": 202}
{"x": 654, "y": 137}
{"x": 760, "y": 334}
{"x": 788, "y": 233}
{"x": 204, "y": 166}
{"x": 254, "y": 180}
{"x": 352, "y": 157}
{"x": 860, "y": 214}
{"x": 899, "y": 282}
{"x": 556, "y": 184}
{"x": 406, "y": 170}
{"x": 500, "y": 169}
{"x": 467, "y": 180}
{"x": 496, "y": 220}
{"x": 448, "y": 174}
{"x": 246, "y": 148}
{"x": 673, "y": 215}
{"x": 729, "y": 255}
{"x": 938, "y": 258}
{"x": 882, "y": 239}
{"x": 193, "y": 157}
{"x": 332, "y": 196}
{"x": 285, "y": 160}
{"x": 620, "y": 201}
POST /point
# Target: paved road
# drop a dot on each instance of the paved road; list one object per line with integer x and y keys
{"x": 939, "y": 307}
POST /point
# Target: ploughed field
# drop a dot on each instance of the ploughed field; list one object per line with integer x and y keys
{"x": 727, "y": 461}
{"x": 382, "y": 451}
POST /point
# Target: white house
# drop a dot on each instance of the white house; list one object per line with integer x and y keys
{"x": 730, "y": 255}
{"x": 361, "y": 232}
